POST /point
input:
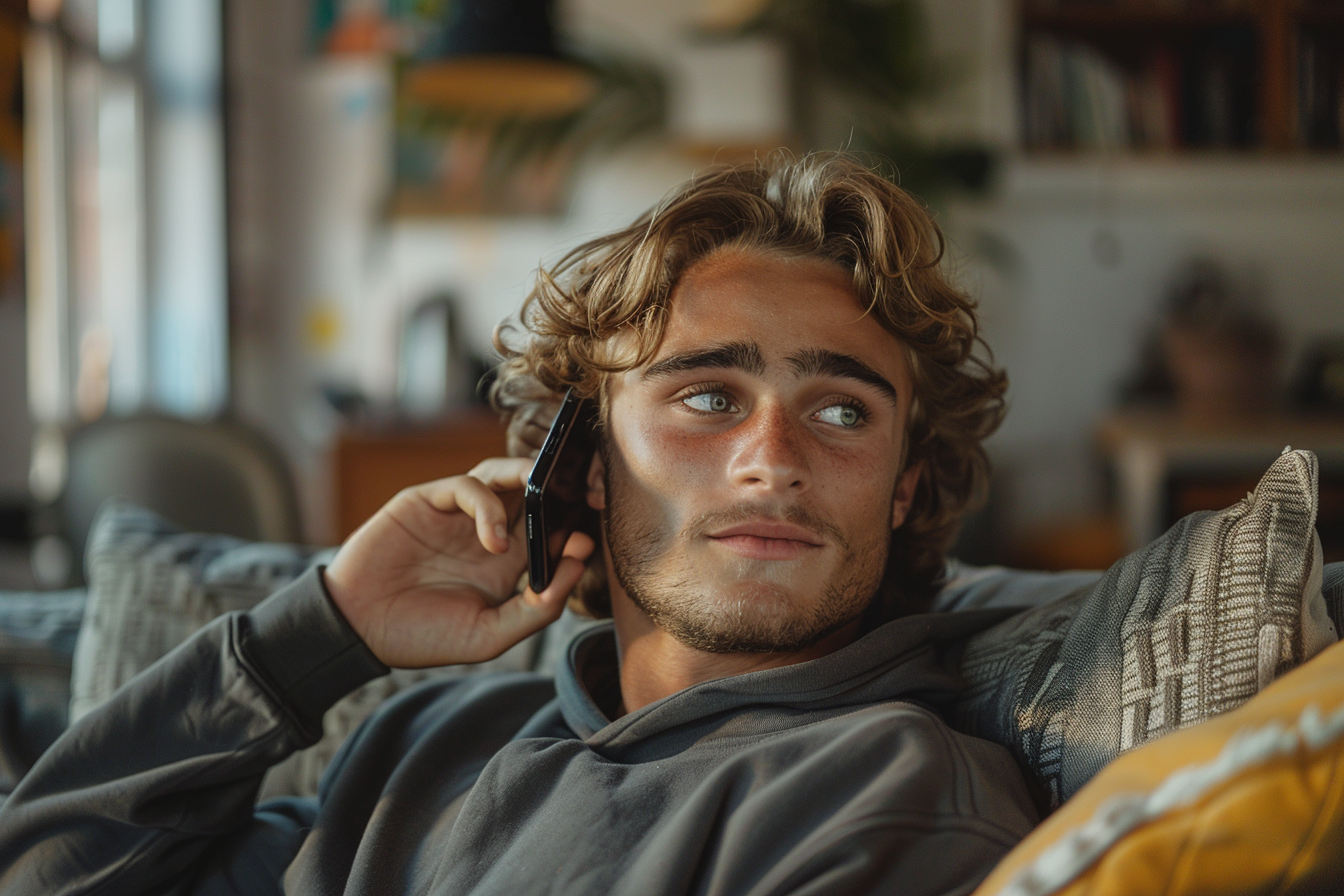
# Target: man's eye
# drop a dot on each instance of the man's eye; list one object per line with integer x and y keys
{"x": 841, "y": 415}
{"x": 710, "y": 402}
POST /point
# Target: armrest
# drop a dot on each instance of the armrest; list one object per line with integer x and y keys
{"x": 37, "y": 641}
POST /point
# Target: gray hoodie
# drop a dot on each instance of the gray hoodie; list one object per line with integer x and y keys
{"x": 832, "y": 776}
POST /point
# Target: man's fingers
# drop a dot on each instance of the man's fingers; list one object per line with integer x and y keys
{"x": 528, "y": 612}
{"x": 497, "y": 474}
{"x": 477, "y": 494}
{"x": 567, "y": 571}
{"x": 502, "y": 473}
{"x": 579, "y": 546}
{"x": 478, "y": 501}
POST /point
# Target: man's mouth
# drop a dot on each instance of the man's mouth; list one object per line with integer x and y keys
{"x": 767, "y": 540}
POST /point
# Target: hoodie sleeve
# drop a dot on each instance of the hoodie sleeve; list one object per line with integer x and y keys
{"x": 155, "y": 791}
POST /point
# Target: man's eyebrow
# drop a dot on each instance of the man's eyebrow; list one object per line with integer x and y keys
{"x": 744, "y": 356}
{"x": 823, "y": 362}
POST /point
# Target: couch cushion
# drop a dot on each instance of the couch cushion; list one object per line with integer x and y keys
{"x": 37, "y": 637}
{"x": 152, "y": 585}
{"x": 1184, "y": 629}
{"x": 968, "y": 587}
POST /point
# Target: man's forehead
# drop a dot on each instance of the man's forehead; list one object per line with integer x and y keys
{"x": 751, "y": 311}
{"x": 768, "y": 291}
{"x": 761, "y": 307}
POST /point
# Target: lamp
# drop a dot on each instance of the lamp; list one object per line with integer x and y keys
{"x": 499, "y": 58}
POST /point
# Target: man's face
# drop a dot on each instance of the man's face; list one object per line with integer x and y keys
{"x": 753, "y": 469}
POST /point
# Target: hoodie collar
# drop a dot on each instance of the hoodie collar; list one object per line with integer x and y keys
{"x": 911, "y": 658}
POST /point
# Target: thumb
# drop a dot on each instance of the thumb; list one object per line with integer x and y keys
{"x": 529, "y": 612}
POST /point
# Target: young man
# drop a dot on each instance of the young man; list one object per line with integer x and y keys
{"x": 790, "y": 426}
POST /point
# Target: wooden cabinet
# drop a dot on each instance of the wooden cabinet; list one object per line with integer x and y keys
{"x": 373, "y": 464}
{"x": 1166, "y": 466}
{"x": 1182, "y": 74}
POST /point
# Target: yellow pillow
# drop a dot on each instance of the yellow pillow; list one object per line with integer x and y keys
{"x": 1251, "y": 801}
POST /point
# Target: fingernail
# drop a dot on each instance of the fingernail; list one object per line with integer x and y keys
{"x": 501, "y": 532}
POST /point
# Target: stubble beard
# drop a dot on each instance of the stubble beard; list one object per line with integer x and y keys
{"x": 758, "y": 616}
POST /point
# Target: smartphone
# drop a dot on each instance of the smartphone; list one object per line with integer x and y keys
{"x": 555, "y": 500}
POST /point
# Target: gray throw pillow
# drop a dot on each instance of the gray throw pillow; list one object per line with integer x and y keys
{"x": 1190, "y": 626}
{"x": 151, "y": 586}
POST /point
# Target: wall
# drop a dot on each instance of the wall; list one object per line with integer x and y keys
{"x": 268, "y": 229}
{"x": 1063, "y": 318}
{"x": 1063, "y": 315}
{"x": 1093, "y": 245}
{"x": 1085, "y": 249}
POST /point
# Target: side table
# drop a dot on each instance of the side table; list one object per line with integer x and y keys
{"x": 1167, "y": 465}
{"x": 373, "y": 464}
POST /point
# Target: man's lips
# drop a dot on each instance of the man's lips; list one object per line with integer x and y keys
{"x": 770, "y": 529}
{"x": 767, "y": 540}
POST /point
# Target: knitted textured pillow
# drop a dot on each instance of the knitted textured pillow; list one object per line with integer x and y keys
{"x": 151, "y": 586}
{"x": 1186, "y": 628}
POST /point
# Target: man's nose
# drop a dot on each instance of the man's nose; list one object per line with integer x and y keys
{"x": 770, "y": 454}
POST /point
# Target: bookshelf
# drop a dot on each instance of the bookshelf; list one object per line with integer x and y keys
{"x": 1181, "y": 75}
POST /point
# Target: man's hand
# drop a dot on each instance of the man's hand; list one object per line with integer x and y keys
{"x": 431, "y": 578}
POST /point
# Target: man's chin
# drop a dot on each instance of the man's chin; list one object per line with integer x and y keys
{"x": 748, "y": 617}
{"x": 797, "y": 582}
{"x": 757, "y": 638}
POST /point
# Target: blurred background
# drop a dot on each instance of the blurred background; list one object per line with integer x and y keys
{"x": 252, "y": 251}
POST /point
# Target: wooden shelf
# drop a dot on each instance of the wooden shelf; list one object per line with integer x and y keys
{"x": 1131, "y": 17}
{"x": 1172, "y": 178}
{"x": 1321, "y": 14}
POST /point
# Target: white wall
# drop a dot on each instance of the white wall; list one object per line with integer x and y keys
{"x": 272, "y": 365}
{"x": 1063, "y": 323}
{"x": 490, "y": 263}
{"x": 1066, "y": 321}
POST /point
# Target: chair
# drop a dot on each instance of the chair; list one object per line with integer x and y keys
{"x": 217, "y": 476}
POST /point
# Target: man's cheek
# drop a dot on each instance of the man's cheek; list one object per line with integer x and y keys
{"x": 673, "y": 461}
{"x": 646, "y": 516}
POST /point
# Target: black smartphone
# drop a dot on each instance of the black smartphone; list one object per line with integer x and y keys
{"x": 555, "y": 500}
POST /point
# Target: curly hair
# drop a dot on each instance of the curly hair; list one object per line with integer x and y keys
{"x": 826, "y": 206}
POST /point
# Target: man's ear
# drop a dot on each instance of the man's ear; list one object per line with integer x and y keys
{"x": 905, "y": 493}
{"x": 597, "y": 483}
